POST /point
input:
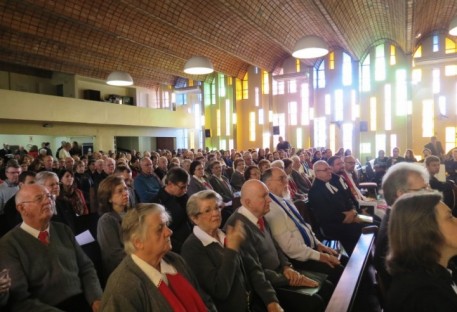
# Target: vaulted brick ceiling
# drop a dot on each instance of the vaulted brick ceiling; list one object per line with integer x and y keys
{"x": 152, "y": 40}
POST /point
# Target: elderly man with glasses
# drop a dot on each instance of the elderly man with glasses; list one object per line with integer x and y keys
{"x": 48, "y": 269}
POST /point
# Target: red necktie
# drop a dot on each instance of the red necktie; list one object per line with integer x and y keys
{"x": 261, "y": 224}
{"x": 44, "y": 237}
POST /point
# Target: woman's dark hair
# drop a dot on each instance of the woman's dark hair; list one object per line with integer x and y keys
{"x": 247, "y": 171}
{"x": 63, "y": 171}
{"x": 105, "y": 192}
{"x": 194, "y": 166}
{"x": 414, "y": 235}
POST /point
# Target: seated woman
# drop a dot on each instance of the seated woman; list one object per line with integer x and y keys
{"x": 198, "y": 181}
{"x": 215, "y": 260}
{"x": 71, "y": 194}
{"x": 422, "y": 239}
{"x": 252, "y": 172}
{"x": 151, "y": 278}
{"x": 113, "y": 199}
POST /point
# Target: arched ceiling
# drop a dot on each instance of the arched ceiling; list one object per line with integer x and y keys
{"x": 152, "y": 40}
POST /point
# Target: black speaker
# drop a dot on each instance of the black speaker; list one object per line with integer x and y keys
{"x": 93, "y": 95}
{"x": 363, "y": 126}
{"x": 207, "y": 133}
{"x": 275, "y": 130}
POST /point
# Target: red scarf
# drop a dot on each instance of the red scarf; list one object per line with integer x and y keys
{"x": 181, "y": 295}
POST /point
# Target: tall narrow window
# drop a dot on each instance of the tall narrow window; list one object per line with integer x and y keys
{"x": 393, "y": 57}
{"x": 252, "y": 126}
{"x": 304, "y": 95}
{"x": 266, "y": 139}
{"x": 339, "y": 109}
{"x": 331, "y": 60}
{"x": 393, "y": 141}
{"x": 265, "y": 83}
{"x": 228, "y": 113}
{"x": 239, "y": 90}
{"x": 281, "y": 87}
{"x": 328, "y": 104}
{"x": 332, "y": 136}
{"x": 299, "y": 143}
{"x": 213, "y": 92}
{"x": 347, "y": 70}
{"x": 218, "y": 122}
{"x": 321, "y": 75}
{"x": 293, "y": 113}
{"x": 380, "y": 142}
{"x": 261, "y": 116}
{"x": 417, "y": 75}
{"x": 450, "y": 70}
{"x": 292, "y": 86}
{"x": 436, "y": 43}
{"x": 221, "y": 85}
{"x": 275, "y": 87}
{"x": 387, "y": 107}
{"x": 257, "y": 96}
{"x": 354, "y": 106}
{"x": 245, "y": 87}
{"x": 401, "y": 92}
{"x": 366, "y": 77}
{"x": 297, "y": 65}
{"x": 442, "y": 106}
{"x": 348, "y": 134}
{"x": 373, "y": 113}
{"x": 428, "y": 127}
{"x": 450, "y": 138}
{"x": 380, "y": 65}
{"x": 436, "y": 80}
{"x": 320, "y": 136}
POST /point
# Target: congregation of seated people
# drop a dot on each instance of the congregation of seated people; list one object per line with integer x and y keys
{"x": 200, "y": 230}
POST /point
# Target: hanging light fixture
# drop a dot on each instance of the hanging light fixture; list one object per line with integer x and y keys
{"x": 198, "y": 65}
{"x": 119, "y": 78}
{"x": 453, "y": 27}
{"x": 310, "y": 47}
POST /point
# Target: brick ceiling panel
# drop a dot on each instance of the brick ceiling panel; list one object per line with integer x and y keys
{"x": 153, "y": 39}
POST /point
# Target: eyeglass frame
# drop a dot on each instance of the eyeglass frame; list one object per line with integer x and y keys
{"x": 40, "y": 199}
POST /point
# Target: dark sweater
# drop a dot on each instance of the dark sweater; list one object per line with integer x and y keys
{"x": 44, "y": 276}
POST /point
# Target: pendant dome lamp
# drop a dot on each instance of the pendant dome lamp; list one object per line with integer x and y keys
{"x": 198, "y": 65}
{"x": 310, "y": 47}
{"x": 119, "y": 78}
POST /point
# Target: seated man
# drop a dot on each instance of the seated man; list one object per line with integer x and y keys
{"x": 432, "y": 163}
{"x": 262, "y": 248}
{"x": 174, "y": 197}
{"x": 293, "y": 235}
{"x": 334, "y": 209}
{"x": 48, "y": 268}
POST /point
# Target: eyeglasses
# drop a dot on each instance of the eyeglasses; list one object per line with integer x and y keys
{"x": 425, "y": 188}
{"x": 327, "y": 169}
{"x": 40, "y": 199}
{"x": 210, "y": 210}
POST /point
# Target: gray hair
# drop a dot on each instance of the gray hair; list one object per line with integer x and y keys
{"x": 192, "y": 207}
{"x": 133, "y": 223}
{"x": 396, "y": 179}
{"x": 277, "y": 164}
{"x": 42, "y": 176}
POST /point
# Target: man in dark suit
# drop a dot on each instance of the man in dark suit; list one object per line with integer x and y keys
{"x": 435, "y": 147}
{"x": 432, "y": 163}
{"x": 221, "y": 185}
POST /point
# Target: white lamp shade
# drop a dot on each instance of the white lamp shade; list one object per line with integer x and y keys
{"x": 198, "y": 65}
{"x": 453, "y": 27}
{"x": 119, "y": 78}
{"x": 310, "y": 47}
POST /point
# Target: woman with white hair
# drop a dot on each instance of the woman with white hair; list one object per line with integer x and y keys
{"x": 151, "y": 277}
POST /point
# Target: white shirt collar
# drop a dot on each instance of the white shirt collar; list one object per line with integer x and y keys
{"x": 245, "y": 212}
{"x": 207, "y": 239}
{"x": 32, "y": 231}
{"x": 155, "y": 276}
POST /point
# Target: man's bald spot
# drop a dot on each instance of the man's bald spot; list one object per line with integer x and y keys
{"x": 251, "y": 187}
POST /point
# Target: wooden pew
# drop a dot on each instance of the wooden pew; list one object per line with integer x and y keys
{"x": 346, "y": 290}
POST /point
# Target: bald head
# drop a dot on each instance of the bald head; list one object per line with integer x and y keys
{"x": 255, "y": 197}
{"x": 34, "y": 203}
